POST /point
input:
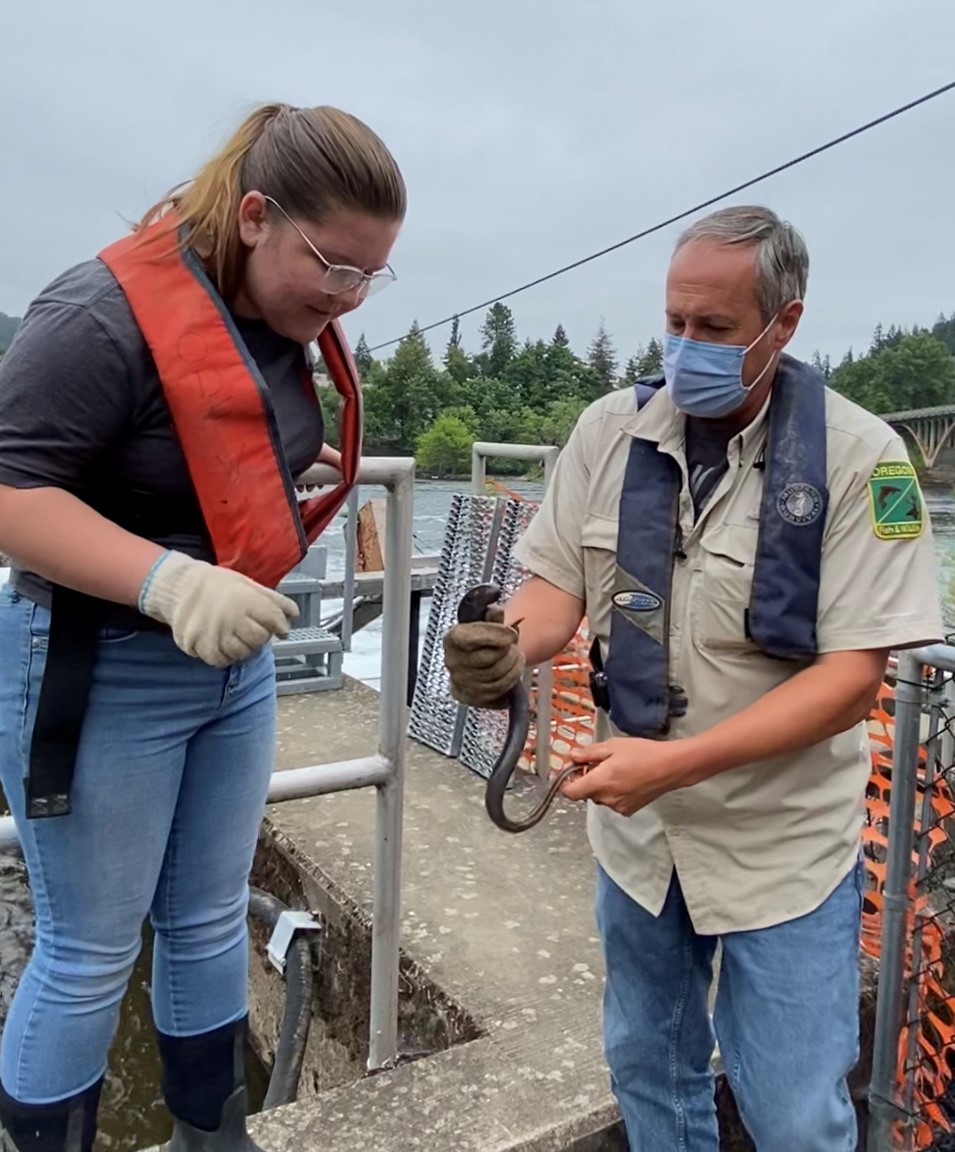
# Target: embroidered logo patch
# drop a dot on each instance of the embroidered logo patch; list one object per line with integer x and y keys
{"x": 637, "y": 601}
{"x": 799, "y": 504}
{"x": 895, "y": 501}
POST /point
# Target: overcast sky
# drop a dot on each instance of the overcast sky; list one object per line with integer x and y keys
{"x": 529, "y": 134}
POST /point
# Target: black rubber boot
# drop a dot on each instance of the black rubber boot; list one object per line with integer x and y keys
{"x": 204, "y": 1086}
{"x": 66, "y": 1126}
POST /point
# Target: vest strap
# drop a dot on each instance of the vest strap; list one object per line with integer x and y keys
{"x": 64, "y": 694}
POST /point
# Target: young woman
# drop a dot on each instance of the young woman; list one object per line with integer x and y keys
{"x": 155, "y": 406}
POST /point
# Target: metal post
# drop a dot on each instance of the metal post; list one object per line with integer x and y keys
{"x": 925, "y": 823}
{"x": 392, "y": 726}
{"x": 545, "y": 673}
{"x": 477, "y": 469}
{"x": 884, "y": 1112}
{"x": 550, "y": 459}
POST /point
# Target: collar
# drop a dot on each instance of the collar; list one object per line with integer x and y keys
{"x": 662, "y": 423}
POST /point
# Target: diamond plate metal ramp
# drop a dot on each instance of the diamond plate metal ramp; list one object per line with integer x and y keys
{"x": 483, "y": 731}
{"x": 467, "y": 558}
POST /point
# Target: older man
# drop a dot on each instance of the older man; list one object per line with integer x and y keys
{"x": 747, "y": 547}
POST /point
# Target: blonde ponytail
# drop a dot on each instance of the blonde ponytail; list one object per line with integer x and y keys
{"x": 310, "y": 160}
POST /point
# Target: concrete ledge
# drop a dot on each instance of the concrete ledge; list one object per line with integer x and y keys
{"x": 500, "y": 926}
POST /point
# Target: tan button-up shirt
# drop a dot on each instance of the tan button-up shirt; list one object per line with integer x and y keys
{"x": 767, "y": 842}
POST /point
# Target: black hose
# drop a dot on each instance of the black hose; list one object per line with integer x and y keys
{"x": 297, "y": 1017}
{"x": 475, "y": 606}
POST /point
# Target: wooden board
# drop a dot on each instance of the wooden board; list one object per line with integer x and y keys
{"x": 370, "y": 544}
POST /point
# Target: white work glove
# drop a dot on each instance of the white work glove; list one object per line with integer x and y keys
{"x": 215, "y": 614}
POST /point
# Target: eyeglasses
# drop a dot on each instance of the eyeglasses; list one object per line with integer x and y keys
{"x": 343, "y": 277}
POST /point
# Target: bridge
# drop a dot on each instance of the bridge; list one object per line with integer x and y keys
{"x": 930, "y": 428}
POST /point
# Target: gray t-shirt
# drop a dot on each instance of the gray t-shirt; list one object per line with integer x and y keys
{"x": 82, "y": 408}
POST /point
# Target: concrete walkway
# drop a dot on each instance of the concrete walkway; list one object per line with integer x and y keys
{"x": 502, "y": 924}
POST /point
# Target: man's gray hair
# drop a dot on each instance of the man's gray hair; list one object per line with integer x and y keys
{"x": 782, "y": 259}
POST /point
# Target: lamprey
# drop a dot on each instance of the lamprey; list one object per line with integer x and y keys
{"x": 479, "y": 604}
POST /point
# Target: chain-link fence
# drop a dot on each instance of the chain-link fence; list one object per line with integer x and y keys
{"x": 910, "y": 849}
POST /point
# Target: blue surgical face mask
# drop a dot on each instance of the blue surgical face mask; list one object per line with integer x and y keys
{"x": 706, "y": 379}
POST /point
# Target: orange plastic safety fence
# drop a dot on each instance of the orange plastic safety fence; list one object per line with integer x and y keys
{"x": 502, "y": 489}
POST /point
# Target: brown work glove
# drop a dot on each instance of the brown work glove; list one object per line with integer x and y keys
{"x": 484, "y": 662}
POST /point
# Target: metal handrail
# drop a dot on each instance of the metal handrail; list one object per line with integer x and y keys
{"x": 481, "y": 452}
{"x": 940, "y": 656}
{"x": 384, "y": 771}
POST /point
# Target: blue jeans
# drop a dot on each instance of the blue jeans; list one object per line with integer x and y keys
{"x": 787, "y": 1020}
{"x": 171, "y": 780}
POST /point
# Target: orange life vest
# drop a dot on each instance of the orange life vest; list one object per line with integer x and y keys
{"x": 221, "y": 409}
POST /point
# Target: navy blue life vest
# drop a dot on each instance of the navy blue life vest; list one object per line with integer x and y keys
{"x": 781, "y": 619}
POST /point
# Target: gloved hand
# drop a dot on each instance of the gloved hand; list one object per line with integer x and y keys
{"x": 215, "y": 614}
{"x": 483, "y": 660}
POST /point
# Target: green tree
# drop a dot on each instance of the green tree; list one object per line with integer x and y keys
{"x": 944, "y": 330}
{"x": 489, "y": 394}
{"x": 917, "y": 371}
{"x": 363, "y": 357}
{"x": 602, "y": 358}
{"x": 878, "y": 340}
{"x": 466, "y": 414}
{"x": 650, "y": 359}
{"x": 512, "y": 426}
{"x": 454, "y": 340}
{"x": 457, "y": 363}
{"x": 376, "y": 407}
{"x": 631, "y": 372}
{"x": 406, "y": 395}
{"x": 498, "y": 339}
{"x": 529, "y": 374}
{"x": 560, "y": 420}
{"x": 821, "y": 364}
{"x": 444, "y": 449}
{"x": 560, "y": 337}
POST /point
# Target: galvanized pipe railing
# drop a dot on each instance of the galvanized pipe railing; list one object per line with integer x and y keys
{"x": 481, "y": 452}
{"x": 384, "y": 771}
{"x": 484, "y": 450}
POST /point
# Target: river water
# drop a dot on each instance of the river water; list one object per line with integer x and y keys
{"x": 132, "y": 1113}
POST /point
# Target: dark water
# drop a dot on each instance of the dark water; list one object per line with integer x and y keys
{"x": 132, "y": 1114}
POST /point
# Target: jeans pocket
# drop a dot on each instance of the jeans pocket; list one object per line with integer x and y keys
{"x": 117, "y": 635}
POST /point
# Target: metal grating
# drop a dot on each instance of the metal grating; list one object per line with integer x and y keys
{"x": 474, "y": 522}
{"x": 309, "y": 640}
{"x": 484, "y": 731}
